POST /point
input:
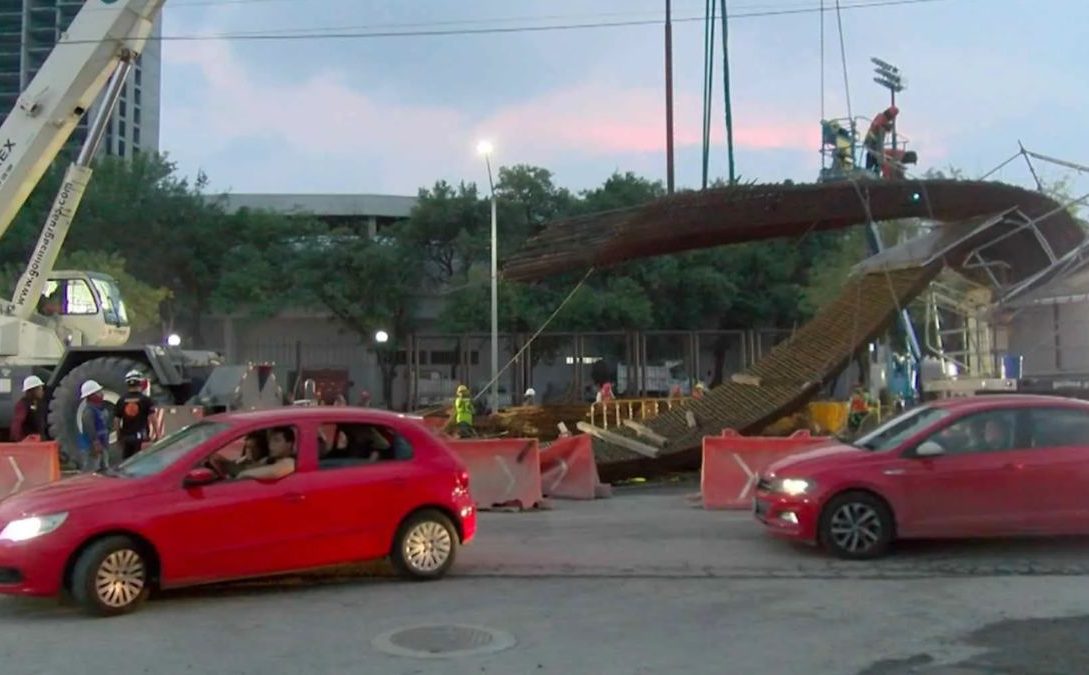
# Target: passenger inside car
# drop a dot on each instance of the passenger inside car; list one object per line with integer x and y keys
{"x": 270, "y": 461}
{"x": 281, "y": 458}
{"x": 362, "y": 444}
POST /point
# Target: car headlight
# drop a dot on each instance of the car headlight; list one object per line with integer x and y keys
{"x": 793, "y": 486}
{"x": 28, "y": 528}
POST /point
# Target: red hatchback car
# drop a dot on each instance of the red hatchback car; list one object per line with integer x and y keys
{"x": 199, "y": 507}
{"x": 1004, "y": 465}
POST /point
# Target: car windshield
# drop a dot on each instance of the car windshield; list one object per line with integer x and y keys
{"x": 165, "y": 452}
{"x": 894, "y": 432}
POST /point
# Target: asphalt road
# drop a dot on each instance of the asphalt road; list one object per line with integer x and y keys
{"x": 641, "y": 583}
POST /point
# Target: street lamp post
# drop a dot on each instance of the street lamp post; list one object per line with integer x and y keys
{"x": 889, "y": 77}
{"x": 485, "y": 148}
{"x": 381, "y": 338}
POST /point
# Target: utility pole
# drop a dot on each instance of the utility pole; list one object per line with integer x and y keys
{"x": 669, "y": 94}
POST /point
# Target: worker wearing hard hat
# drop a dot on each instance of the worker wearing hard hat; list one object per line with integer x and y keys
{"x": 874, "y": 142}
{"x": 463, "y": 412}
{"x": 93, "y": 425}
{"x": 529, "y": 397}
{"x": 27, "y": 420}
{"x": 134, "y": 413}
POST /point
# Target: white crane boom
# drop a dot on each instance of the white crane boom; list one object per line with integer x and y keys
{"x": 104, "y": 38}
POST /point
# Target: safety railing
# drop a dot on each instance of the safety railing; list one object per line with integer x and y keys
{"x": 614, "y": 412}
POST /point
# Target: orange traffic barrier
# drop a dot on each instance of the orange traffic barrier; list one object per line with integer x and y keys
{"x": 26, "y": 465}
{"x": 732, "y": 463}
{"x": 170, "y": 418}
{"x": 568, "y": 470}
{"x": 502, "y": 472}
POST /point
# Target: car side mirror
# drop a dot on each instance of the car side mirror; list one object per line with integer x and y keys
{"x": 929, "y": 449}
{"x": 200, "y": 476}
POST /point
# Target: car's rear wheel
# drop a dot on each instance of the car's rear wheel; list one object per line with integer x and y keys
{"x": 425, "y": 546}
{"x": 856, "y": 526}
{"x": 112, "y": 576}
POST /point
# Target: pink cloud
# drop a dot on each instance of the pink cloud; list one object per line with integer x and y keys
{"x": 601, "y": 119}
{"x": 326, "y": 114}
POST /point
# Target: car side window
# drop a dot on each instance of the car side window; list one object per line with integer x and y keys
{"x": 254, "y": 452}
{"x": 1059, "y": 427}
{"x": 354, "y": 444}
{"x": 991, "y": 431}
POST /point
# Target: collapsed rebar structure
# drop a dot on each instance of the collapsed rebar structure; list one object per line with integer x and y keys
{"x": 992, "y": 233}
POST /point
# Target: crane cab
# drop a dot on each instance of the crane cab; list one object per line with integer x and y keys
{"x": 87, "y": 307}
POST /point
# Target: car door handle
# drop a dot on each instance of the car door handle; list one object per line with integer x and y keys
{"x": 294, "y": 497}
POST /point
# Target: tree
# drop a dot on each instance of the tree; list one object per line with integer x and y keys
{"x": 366, "y": 285}
{"x": 169, "y": 232}
{"x": 449, "y": 227}
{"x": 527, "y": 198}
{"x": 259, "y": 280}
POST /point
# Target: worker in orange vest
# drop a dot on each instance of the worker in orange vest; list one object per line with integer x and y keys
{"x": 874, "y": 143}
{"x": 858, "y": 408}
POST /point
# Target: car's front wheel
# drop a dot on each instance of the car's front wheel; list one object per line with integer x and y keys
{"x": 856, "y": 526}
{"x": 425, "y": 546}
{"x": 112, "y": 576}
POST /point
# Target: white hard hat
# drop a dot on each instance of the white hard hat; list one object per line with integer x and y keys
{"x": 89, "y": 387}
{"x": 530, "y": 392}
{"x": 32, "y": 381}
{"x": 133, "y": 376}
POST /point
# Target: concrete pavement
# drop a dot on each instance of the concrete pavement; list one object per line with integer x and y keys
{"x": 641, "y": 583}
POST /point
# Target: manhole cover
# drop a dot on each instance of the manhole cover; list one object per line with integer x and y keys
{"x": 443, "y": 641}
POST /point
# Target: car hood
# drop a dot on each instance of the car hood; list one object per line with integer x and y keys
{"x": 834, "y": 454}
{"x": 68, "y": 494}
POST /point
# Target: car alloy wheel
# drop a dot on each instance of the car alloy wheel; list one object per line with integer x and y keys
{"x": 427, "y": 546}
{"x": 121, "y": 579}
{"x": 856, "y": 527}
{"x": 112, "y": 575}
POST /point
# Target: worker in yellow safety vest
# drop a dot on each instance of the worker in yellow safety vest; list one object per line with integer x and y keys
{"x": 463, "y": 412}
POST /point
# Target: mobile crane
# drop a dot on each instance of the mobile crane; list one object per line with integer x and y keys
{"x": 71, "y": 326}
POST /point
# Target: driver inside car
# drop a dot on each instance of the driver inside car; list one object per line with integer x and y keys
{"x": 280, "y": 461}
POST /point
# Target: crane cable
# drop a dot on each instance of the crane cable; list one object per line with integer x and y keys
{"x": 822, "y": 60}
{"x": 708, "y": 83}
{"x": 726, "y": 96}
{"x": 843, "y": 57}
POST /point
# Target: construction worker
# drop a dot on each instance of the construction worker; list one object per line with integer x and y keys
{"x": 874, "y": 142}
{"x": 529, "y": 397}
{"x": 833, "y": 134}
{"x": 93, "y": 425}
{"x": 463, "y": 412}
{"x": 858, "y": 408}
{"x": 698, "y": 391}
{"x": 135, "y": 410}
{"x": 27, "y": 419}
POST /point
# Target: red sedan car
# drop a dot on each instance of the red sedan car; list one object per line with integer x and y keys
{"x": 983, "y": 466}
{"x": 242, "y": 495}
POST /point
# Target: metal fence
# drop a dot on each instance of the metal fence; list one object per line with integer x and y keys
{"x": 561, "y": 367}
